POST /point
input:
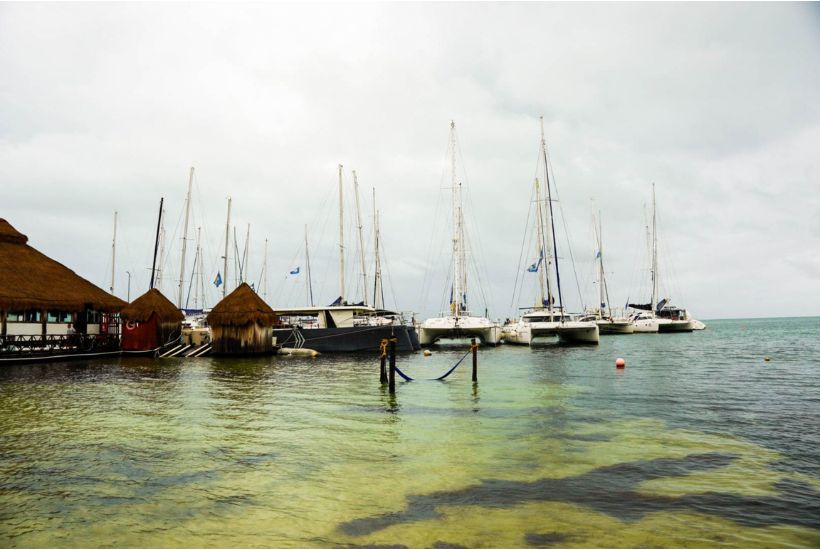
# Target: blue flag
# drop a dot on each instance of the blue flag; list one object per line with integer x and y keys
{"x": 598, "y": 255}
{"x": 218, "y": 280}
{"x": 295, "y": 271}
{"x": 534, "y": 267}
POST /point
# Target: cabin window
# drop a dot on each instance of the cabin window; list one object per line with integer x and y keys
{"x": 93, "y": 317}
{"x": 58, "y": 317}
{"x": 32, "y": 316}
{"x": 14, "y": 316}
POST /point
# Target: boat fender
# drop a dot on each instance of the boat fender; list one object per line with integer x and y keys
{"x": 427, "y": 353}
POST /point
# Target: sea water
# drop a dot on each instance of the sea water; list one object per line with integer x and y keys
{"x": 698, "y": 442}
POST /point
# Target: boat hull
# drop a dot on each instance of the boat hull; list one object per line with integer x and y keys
{"x": 347, "y": 339}
{"x": 451, "y": 328}
{"x": 676, "y": 326}
{"x": 615, "y": 327}
{"x": 578, "y": 333}
{"x": 645, "y": 325}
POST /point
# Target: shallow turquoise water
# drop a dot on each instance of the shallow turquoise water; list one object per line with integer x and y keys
{"x": 699, "y": 442}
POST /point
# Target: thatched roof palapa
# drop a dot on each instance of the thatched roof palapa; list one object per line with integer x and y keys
{"x": 151, "y": 302}
{"x": 240, "y": 307}
{"x": 31, "y": 280}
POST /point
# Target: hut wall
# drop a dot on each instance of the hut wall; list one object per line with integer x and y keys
{"x": 140, "y": 336}
{"x": 249, "y": 338}
{"x": 150, "y": 334}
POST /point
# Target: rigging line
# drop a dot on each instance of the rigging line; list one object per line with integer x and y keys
{"x": 566, "y": 234}
{"x": 518, "y": 270}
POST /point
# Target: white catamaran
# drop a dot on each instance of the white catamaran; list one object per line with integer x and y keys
{"x": 459, "y": 323}
{"x": 546, "y": 319}
{"x": 659, "y": 315}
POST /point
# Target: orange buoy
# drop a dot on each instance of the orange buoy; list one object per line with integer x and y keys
{"x": 620, "y": 363}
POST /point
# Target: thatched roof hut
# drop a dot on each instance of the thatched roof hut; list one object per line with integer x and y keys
{"x": 150, "y": 321}
{"x": 31, "y": 280}
{"x": 242, "y": 323}
{"x": 152, "y": 302}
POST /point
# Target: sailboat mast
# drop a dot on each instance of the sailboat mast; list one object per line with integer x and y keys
{"x": 225, "y": 257}
{"x": 156, "y": 243}
{"x": 654, "y": 252}
{"x": 245, "y": 267}
{"x": 161, "y": 252}
{"x": 552, "y": 222}
{"x": 308, "y": 283}
{"x": 341, "y": 241}
{"x": 264, "y": 282}
{"x": 455, "y": 300}
{"x": 185, "y": 237}
{"x": 539, "y": 227}
{"x": 377, "y": 267}
{"x": 361, "y": 238}
{"x": 198, "y": 268}
{"x": 113, "y": 252}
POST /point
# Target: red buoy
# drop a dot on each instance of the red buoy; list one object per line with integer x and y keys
{"x": 620, "y": 363}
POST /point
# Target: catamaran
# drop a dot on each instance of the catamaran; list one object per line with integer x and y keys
{"x": 602, "y": 315}
{"x": 659, "y": 315}
{"x": 546, "y": 319}
{"x": 458, "y": 323}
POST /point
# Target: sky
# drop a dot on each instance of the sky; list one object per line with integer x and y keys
{"x": 105, "y": 107}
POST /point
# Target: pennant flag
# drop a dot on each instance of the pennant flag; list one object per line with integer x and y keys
{"x": 598, "y": 255}
{"x": 534, "y": 267}
{"x": 295, "y": 271}
{"x": 218, "y": 280}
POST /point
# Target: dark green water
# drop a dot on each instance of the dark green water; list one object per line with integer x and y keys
{"x": 698, "y": 443}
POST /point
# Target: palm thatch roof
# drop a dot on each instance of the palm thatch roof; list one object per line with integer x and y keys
{"x": 31, "y": 280}
{"x": 241, "y": 307}
{"x": 151, "y": 302}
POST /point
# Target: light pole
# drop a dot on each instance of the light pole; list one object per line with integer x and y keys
{"x": 129, "y": 286}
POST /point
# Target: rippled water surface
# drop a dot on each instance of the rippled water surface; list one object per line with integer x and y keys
{"x": 699, "y": 442}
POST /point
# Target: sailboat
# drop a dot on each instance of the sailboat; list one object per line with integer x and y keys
{"x": 342, "y": 326}
{"x": 602, "y": 315}
{"x": 458, "y": 323}
{"x": 659, "y": 314}
{"x": 546, "y": 319}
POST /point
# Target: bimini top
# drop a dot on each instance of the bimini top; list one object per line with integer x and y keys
{"x": 149, "y": 303}
{"x": 241, "y": 307}
{"x": 31, "y": 280}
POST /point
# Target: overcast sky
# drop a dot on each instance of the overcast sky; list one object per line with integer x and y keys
{"x": 104, "y": 107}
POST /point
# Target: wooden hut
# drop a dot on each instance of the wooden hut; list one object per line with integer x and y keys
{"x": 149, "y": 322}
{"x": 43, "y": 303}
{"x": 242, "y": 323}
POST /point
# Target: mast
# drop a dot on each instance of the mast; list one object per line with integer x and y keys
{"x": 361, "y": 238}
{"x": 341, "y": 241}
{"x": 543, "y": 284}
{"x": 225, "y": 257}
{"x": 113, "y": 252}
{"x": 197, "y": 269}
{"x": 458, "y": 263}
{"x": 185, "y": 237}
{"x": 161, "y": 252}
{"x": 308, "y": 283}
{"x": 156, "y": 243}
{"x": 264, "y": 282}
{"x": 377, "y": 278}
{"x": 244, "y": 264}
{"x": 654, "y": 253}
{"x": 201, "y": 277}
{"x": 552, "y": 223}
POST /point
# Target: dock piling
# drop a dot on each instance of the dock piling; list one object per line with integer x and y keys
{"x": 382, "y": 361}
{"x": 392, "y": 377}
{"x": 474, "y": 348}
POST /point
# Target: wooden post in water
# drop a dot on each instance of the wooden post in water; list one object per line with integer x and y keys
{"x": 382, "y": 361}
{"x": 392, "y": 377}
{"x": 474, "y": 348}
